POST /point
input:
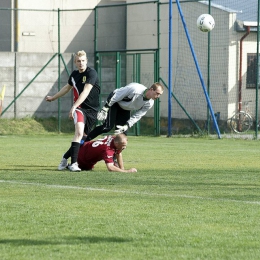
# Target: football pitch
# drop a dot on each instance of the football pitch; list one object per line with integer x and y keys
{"x": 192, "y": 198}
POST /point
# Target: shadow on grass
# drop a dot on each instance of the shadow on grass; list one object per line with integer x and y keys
{"x": 70, "y": 240}
{"x": 32, "y": 125}
{"x": 51, "y": 124}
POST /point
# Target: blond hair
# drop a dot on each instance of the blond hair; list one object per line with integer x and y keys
{"x": 79, "y": 54}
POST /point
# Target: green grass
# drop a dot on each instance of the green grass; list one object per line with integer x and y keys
{"x": 32, "y": 126}
{"x": 192, "y": 198}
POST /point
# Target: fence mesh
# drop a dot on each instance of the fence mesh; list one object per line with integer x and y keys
{"x": 227, "y": 58}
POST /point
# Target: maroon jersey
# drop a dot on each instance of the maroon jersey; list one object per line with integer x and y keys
{"x": 78, "y": 81}
{"x": 93, "y": 151}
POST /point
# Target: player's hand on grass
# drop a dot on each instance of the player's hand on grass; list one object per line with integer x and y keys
{"x": 102, "y": 114}
{"x": 121, "y": 129}
{"x": 132, "y": 170}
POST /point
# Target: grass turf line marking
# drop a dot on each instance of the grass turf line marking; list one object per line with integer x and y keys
{"x": 128, "y": 192}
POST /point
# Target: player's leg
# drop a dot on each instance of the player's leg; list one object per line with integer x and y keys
{"x": 90, "y": 121}
{"x": 106, "y": 126}
{"x": 122, "y": 117}
{"x": 79, "y": 122}
{"x": 75, "y": 145}
{"x": 91, "y": 118}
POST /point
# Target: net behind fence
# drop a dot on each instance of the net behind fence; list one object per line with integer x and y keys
{"x": 226, "y": 57}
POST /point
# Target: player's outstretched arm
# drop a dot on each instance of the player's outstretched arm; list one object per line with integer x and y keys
{"x": 61, "y": 93}
{"x": 112, "y": 168}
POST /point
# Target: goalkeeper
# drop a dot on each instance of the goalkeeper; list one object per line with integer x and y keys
{"x": 120, "y": 103}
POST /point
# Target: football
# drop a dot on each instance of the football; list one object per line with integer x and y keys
{"x": 205, "y": 22}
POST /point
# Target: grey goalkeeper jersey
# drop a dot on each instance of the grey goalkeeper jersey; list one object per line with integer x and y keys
{"x": 131, "y": 98}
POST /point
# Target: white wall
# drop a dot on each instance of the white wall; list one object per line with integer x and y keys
{"x": 19, "y": 69}
{"x": 38, "y": 25}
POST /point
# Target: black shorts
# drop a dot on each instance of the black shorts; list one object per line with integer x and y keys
{"x": 90, "y": 118}
{"x": 116, "y": 116}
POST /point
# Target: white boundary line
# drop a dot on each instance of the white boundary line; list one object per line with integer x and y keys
{"x": 128, "y": 192}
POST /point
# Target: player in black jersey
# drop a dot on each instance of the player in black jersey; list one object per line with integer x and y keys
{"x": 86, "y": 90}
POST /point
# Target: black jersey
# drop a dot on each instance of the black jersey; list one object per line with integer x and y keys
{"x": 78, "y": 81}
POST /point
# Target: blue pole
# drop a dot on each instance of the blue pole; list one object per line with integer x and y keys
{"x": 170, "y": 72}
{"x": 198, "y": 69}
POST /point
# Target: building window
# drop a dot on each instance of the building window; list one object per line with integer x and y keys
{"x": 251, "y": 70}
